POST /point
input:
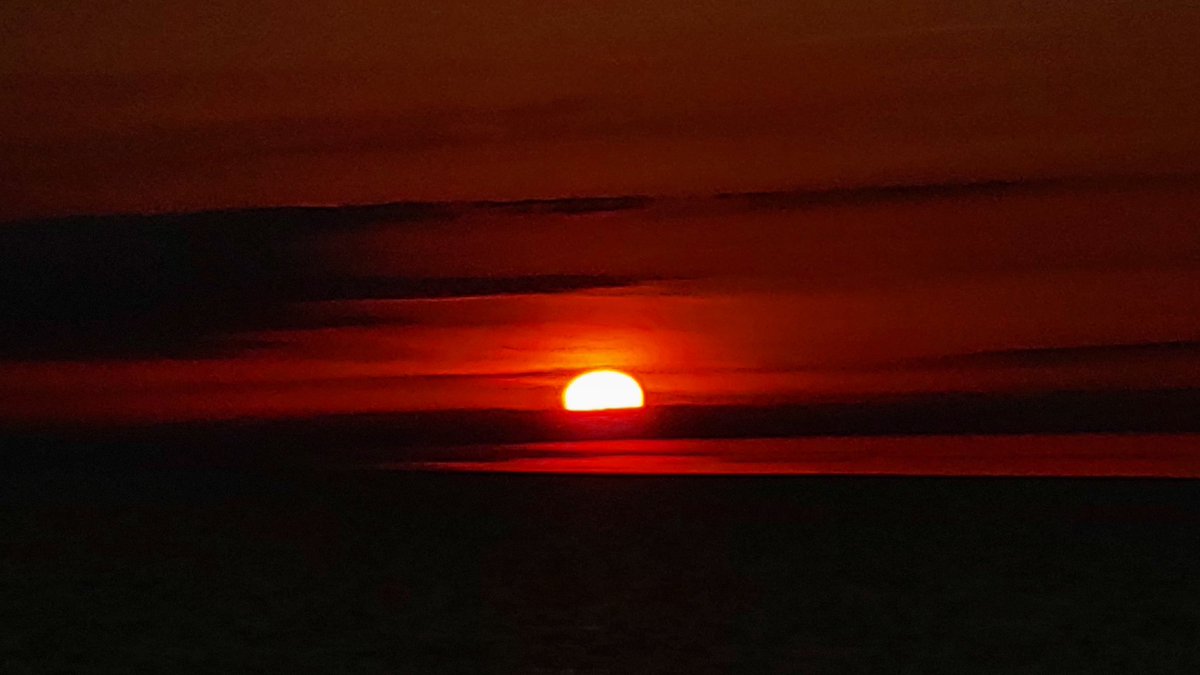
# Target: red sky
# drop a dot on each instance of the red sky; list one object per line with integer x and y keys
{"x": 916, "y": 273}
{"x": 1060, "y": 286}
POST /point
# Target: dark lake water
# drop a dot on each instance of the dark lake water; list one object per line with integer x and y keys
{"x": 462, "y": 571}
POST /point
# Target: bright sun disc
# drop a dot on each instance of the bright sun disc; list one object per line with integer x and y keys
{"x": 603, "y": 390}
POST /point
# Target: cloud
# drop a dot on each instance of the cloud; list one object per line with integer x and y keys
{"x": 1043, "y": 357}
{"x": 196, "y": 285}
{"x": 919, "y": 192}
{"x": 569, "y": 206}
{"x": 210, "y": 284}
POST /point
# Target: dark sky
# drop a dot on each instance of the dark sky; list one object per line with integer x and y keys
{"x": 151, "y": 105}
{"x": 806, "y": 200}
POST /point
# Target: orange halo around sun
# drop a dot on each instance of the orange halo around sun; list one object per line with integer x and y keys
{"x": 603, "y": 390}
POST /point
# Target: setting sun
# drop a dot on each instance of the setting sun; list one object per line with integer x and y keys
{"x": 603, "y": 390}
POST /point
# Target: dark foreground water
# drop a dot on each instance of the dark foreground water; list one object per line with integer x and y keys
{"x": 376, "y": 571}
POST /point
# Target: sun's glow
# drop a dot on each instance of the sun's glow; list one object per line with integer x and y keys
{"x": 603, "y": 390}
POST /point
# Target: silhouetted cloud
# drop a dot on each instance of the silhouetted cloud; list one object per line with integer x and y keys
{"x": 915, "y": 192}
{"x": 570, "y": 205}
{"x": 193, "y": 285}
{"x": 1040, "y": 357}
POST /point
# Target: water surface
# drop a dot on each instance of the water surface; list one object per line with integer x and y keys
{"x": 1080, "y": 455}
